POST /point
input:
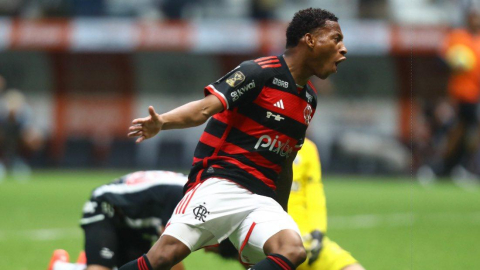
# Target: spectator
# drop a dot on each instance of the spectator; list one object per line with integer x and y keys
{"x": 461, "y": 52}
{"x": 16, "y": 133}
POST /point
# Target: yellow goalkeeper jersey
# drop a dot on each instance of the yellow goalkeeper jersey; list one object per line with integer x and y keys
{"x": 307, "y": 203}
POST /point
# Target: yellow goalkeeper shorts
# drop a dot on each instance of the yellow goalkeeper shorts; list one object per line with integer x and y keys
{"x": 332, "y": 257}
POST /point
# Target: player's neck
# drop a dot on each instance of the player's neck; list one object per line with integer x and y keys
{"x": 295, "y": 63}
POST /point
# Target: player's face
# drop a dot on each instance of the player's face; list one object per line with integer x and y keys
{"x": 328, "y": 50}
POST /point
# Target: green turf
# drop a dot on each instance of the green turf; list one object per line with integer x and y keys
{"x": 385, "y": 223}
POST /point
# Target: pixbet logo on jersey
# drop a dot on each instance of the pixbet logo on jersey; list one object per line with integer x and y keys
{"x": 276, "y": 146}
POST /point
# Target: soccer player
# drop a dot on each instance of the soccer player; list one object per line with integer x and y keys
{"x": 307, "y": 206}
{"x": 123, "y": 218}
{"x": 241, "y": 176}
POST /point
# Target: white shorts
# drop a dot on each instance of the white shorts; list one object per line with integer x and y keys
{"x": 218, "y": 208}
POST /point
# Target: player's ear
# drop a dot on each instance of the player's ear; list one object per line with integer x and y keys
{"x": 309, "y": 40}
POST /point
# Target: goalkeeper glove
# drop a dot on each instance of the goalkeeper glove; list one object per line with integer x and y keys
{"x": 316, "y": 245}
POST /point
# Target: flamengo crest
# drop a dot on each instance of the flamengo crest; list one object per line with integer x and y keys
{"x": 200, "y": 212}
{"x": 307, "y": 114}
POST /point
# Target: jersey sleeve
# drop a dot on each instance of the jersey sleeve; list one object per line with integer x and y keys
{"x": 240, "y": 86}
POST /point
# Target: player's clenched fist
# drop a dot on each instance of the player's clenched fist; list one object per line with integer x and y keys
{"x": 147, "y": 127}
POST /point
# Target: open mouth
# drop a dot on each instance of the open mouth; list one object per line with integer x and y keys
{"x": 340, "y": 60}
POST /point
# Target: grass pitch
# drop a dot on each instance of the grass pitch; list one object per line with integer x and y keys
{"x": 385, "y": 223}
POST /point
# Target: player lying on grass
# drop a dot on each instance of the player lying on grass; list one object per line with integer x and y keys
{"x": 123, "y": 218}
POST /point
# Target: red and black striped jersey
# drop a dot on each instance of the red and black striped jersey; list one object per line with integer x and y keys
{"x": 264, "y": 120}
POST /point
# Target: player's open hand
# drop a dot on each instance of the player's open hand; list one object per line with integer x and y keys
{"x": 147, "y": 127}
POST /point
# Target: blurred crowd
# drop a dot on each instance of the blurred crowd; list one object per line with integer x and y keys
{"x": 18, "y": 135}
{"x": 169, "y": 9}
{"x": 418, "y": 11}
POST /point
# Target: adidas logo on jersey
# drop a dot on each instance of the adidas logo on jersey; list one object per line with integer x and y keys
{"x": 279, "y": 104}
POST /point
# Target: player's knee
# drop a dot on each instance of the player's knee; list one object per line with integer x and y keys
{"x": 167, "y": 252}
{"x": 296, "y": 254}
{"x": 289, "y": 244}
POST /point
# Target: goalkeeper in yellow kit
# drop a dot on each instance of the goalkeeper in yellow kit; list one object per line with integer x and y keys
{"x": 307, "y": 206}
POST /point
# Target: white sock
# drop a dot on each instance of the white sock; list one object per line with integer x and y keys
{"x": 68, "y": 266}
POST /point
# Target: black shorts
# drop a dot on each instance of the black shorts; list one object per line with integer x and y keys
{"x": 108, "y": 241}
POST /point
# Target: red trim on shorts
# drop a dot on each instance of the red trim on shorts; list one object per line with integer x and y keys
{"x": 176, "y": 208}
{"x": 245, "y": 241}
{"x": 180, "y": 205}
{"x": 281, "y": 263}
{"x": 190, "y": 198}
{"x": 185, "y": 199}
{"x": 216, "y": 245}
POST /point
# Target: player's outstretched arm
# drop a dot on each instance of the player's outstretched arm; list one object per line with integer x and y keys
{"x": 191, "y": 114}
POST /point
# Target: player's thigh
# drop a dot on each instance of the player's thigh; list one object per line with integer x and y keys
{"x": 332, "y": 257}
{"x": 260, "y": 226}
{"x": 101, "y": 243}
{"x": 191, "y": 236}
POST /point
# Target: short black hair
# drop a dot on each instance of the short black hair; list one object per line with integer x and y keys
{"x": 305, "y": 21}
